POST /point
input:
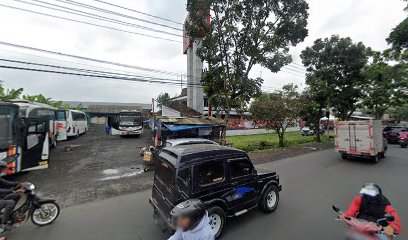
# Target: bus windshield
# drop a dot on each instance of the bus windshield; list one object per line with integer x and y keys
{"x": 7, "y": 117}
{"x": 130, "y": 120}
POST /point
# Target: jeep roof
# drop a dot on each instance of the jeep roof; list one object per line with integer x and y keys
{"x": 188, "y": 141}
{"x": 189, "y": 154}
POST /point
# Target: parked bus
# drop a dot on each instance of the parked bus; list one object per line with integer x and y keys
{"x": 126, "y": 123}
{"x": 70, "y": 123}
{"x": 34, "y": 110}
{"x": 24, "y": 142}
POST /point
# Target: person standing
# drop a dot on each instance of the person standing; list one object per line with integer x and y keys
{"x": 107, "y": 131}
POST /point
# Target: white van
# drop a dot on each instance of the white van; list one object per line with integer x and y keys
{"x": 70, "y": 123}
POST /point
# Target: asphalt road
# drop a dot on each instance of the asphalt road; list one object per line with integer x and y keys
{"x": 311, "y": 183}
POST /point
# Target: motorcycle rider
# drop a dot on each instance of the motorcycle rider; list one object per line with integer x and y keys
{"x": 372, "y": 205}
{"x": 192, "y": 221}
{"x": 8, "y": 197}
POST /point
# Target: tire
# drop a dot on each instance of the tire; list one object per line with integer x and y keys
{"x": 53, "y": 209}
{"x": 382, "y": 154}
{"x": 375, "y": 158}
{"x": 217, "y": 220}
{"x": 344, "y": 156}
{"x": 270, "y": 199}
{"x": 403, "y": 145}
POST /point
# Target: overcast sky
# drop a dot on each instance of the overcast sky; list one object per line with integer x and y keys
{"x": 369, "y": 21}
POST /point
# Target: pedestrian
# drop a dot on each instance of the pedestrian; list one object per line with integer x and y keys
{"x": 192, "y": 221}
{"x": 107, "y": 131}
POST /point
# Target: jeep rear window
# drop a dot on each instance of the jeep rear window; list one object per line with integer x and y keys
{"x": 164, "y": 171}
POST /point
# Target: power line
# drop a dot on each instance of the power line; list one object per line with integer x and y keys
{"x": 289, "y": 68}
{"x": 94, "y": 16}
{"x": 90, "y": 59}
{"x": 77, "y": 63}
{"x": 93, "y": 24}
{"x": 116, "y": 13}
{"x": 91, "y": 75}
{"x": 133, "y": 10}
{"x": 86, "y": 70}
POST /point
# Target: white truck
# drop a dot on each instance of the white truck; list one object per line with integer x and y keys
{"x": 360, "y": 139}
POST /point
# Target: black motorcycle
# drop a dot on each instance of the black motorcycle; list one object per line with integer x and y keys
{"x": 41, "y": 211}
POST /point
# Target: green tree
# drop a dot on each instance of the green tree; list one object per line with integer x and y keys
{"x": 242, "y": 34}
{"x": 398, "y": 39}
{"x": 278, "y": 109}
{"x": 314, "y": 100}
{"x": 7, "y": 94}
{"x": 162, "y": 100}
{"x": 386, "y": 86}
{"x": 334, "y": 65}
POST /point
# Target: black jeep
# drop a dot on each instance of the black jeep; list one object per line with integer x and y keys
{"x": 224, "y": 178}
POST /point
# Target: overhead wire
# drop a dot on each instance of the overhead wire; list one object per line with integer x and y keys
{"x": 97, "y": 76}
{"x": 118, "y": 14}
{"x": 133, "y": 10}
{"x": 92, "y": 24}
{"x": 94, "y": 16}
{"x": 90, "y": 59}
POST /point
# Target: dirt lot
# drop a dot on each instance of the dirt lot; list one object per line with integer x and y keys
{"x": 96, "y": 168}
{"x": 99, "y": 168}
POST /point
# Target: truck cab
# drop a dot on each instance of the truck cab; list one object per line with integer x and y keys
{"x": 224, "y": 178}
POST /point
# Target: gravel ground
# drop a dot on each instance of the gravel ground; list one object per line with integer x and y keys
{"x": 95, "y": 169}
{"x": 99, "y": 168}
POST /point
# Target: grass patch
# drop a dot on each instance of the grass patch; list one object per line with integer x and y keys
{"x": 257, "y": 142}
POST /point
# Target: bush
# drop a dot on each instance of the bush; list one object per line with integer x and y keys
{"x": 270, "y": 141}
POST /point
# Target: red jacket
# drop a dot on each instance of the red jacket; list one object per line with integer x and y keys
{"x": 354, "y": 208}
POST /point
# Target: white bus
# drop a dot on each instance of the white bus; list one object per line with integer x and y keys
{"x": 24, "y": 141}
{"x": 126, "y": 123}
{"x": 70, "y": 123}
{"x": 34, "y": 110}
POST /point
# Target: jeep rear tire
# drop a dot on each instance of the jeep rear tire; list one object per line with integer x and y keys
{"x": 217, "y": 220}
{"x": 270, "y": 199}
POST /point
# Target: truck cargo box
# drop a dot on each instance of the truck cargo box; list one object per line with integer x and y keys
{"x": 360, "y": 139}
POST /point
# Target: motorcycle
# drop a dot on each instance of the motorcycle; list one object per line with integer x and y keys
{"x": 41, "y": 211}
{"x": 403, "y": 142}
{"x": 360, "y": 229}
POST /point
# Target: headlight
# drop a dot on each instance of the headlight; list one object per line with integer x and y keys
{"x": 30, "y": 186}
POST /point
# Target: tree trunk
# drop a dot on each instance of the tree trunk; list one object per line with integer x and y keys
{"x": 317, "y": 126}
{"x": 224, "y": 130}
{"x": 281, "y": 135}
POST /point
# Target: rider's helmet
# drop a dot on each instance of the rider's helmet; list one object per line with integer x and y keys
{"x": 193, "y": 209}
{"x": 371, "y": 191}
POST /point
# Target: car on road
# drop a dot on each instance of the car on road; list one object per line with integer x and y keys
{"x": 392, "y": 133}
{"x": 187, "y": 141}
{"x": 223, "y": 178}
{"x": 307, "y": 131}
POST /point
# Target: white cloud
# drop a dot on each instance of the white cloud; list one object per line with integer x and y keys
{"x": 369, "y": 21}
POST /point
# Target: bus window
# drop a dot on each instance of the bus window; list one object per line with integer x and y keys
{"x": 61, "y": 116}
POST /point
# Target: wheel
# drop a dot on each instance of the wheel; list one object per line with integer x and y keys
{"x": 403, "y": 145}
{"x": 382, "y": 154}
{"x": 217, "y": 220}
{"x": 375, "y": 158}
{"x": 270, "y": 199}
{"x": 46, "y": 214}
{"x": 344, "y": 156}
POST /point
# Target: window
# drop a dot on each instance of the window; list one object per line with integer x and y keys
{"x": 184, "y": 180}
{"x": 240, "y": 168}
{"x": 210, "y": 172}
{"x": 60, "y": 115}
{"x": 164, "y": 171}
